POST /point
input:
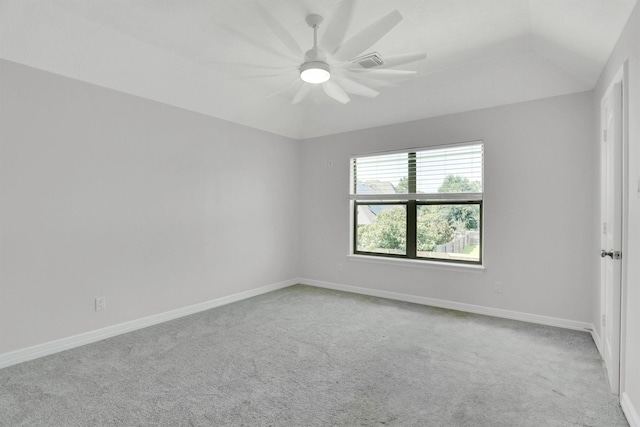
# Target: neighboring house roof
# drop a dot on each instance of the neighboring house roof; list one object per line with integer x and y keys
{"x": 376, "y": 187}
{"x": 367, "y": 213}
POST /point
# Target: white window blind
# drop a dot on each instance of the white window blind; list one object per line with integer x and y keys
{"x": 422, "y": 174}
{"x": 385, "y": 170}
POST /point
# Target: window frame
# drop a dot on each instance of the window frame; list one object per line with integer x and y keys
{"x": 357, "y": 203}
{"x": 411, "y": 201}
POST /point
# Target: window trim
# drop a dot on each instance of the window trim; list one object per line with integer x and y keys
{"x": 416, "y": 263}
{"x": 411, "y": 201}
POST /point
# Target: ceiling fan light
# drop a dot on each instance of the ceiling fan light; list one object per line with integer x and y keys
{"x": 315, "y": 72}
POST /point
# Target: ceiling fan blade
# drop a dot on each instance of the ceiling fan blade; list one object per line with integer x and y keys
{"x": 301, "y": 93}
{"x": 386, "y": 73}
{"x": 255, "y": 76}
{"x": 280, "y": 31}
{"x": 259, "y": 44}
{"x": 332, "y": 89}
{"x": 239, "y": 71}
{"x": 284, "y": 89}
{"x": 367, "y": 37}
{"x": 248, "y": 66}
{"x": 373, "y": 81}
{"x": 355, "y": 88}
{"x": 395, "y": 60}
{"x": 336, "y": 29}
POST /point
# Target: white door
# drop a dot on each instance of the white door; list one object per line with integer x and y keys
{"x": 611, "y": 237}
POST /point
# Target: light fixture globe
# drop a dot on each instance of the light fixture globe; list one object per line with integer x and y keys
{"x": 315, "y": 72}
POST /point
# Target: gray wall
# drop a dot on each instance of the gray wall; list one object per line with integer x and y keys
{"x": 151, "y": 206}
{"x": 539, "y": 210}
{"x": 156, "y": 208}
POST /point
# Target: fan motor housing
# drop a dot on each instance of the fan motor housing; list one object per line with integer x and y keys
{"x": 315, "y": 72}
{"x": 313, "y": 20}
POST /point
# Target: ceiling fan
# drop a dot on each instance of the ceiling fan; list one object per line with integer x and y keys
{"x": 335, "y": 64}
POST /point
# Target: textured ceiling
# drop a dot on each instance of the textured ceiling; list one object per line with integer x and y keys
{"x": 480, "y": 53}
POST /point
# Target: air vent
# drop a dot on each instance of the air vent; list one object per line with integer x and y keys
{"x": 370, "y": 60}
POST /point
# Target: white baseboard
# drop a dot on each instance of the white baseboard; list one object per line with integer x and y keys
{"x": 45, "y": 349}
{"x": 596, "y": 339}
{"x": 40, "y": 350}
{"x": 629, "y": 410}
{"x": 477, "y": 309}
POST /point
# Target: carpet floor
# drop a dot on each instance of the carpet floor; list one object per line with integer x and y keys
{"x": 305, "y": 356}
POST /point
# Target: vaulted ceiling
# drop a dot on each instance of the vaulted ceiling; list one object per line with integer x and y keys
{"x": 480, "y": 53}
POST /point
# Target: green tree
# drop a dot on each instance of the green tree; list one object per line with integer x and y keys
{"x": 459, "y": 184}
{"x": 403, "y": 186}
{"x": 436, "y": 224}
{"x": 433, "y": 227}
{"x": 462, "y": 218}
{"x": 387, "y": 232}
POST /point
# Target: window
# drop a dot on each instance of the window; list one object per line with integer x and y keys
{"x": 423, "y": 204}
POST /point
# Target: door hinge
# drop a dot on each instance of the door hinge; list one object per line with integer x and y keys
{"x": 604, "y": 136}
{"x": 604, "y": 321}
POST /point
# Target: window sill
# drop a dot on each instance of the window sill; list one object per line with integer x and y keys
{"x": 417, "y": 264}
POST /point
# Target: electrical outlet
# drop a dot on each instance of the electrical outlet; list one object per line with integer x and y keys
{"x": 101, "y": 303}
{"x": 497, "y": 288}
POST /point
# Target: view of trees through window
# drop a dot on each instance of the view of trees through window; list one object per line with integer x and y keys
{"x": 387, "y": 233}
{"x": 445, "y": 228}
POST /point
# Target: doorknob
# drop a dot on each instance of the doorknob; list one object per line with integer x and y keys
{"x": 613, "y": 254}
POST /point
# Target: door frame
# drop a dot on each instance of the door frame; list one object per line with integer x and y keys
{"x": 623, "y": 74}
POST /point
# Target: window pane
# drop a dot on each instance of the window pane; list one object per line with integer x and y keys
{"x": 449, "y": 232}
{"x": 382, "y": 229}
{"x": 384, "y": 174}
{"x": 450, "y": 170}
